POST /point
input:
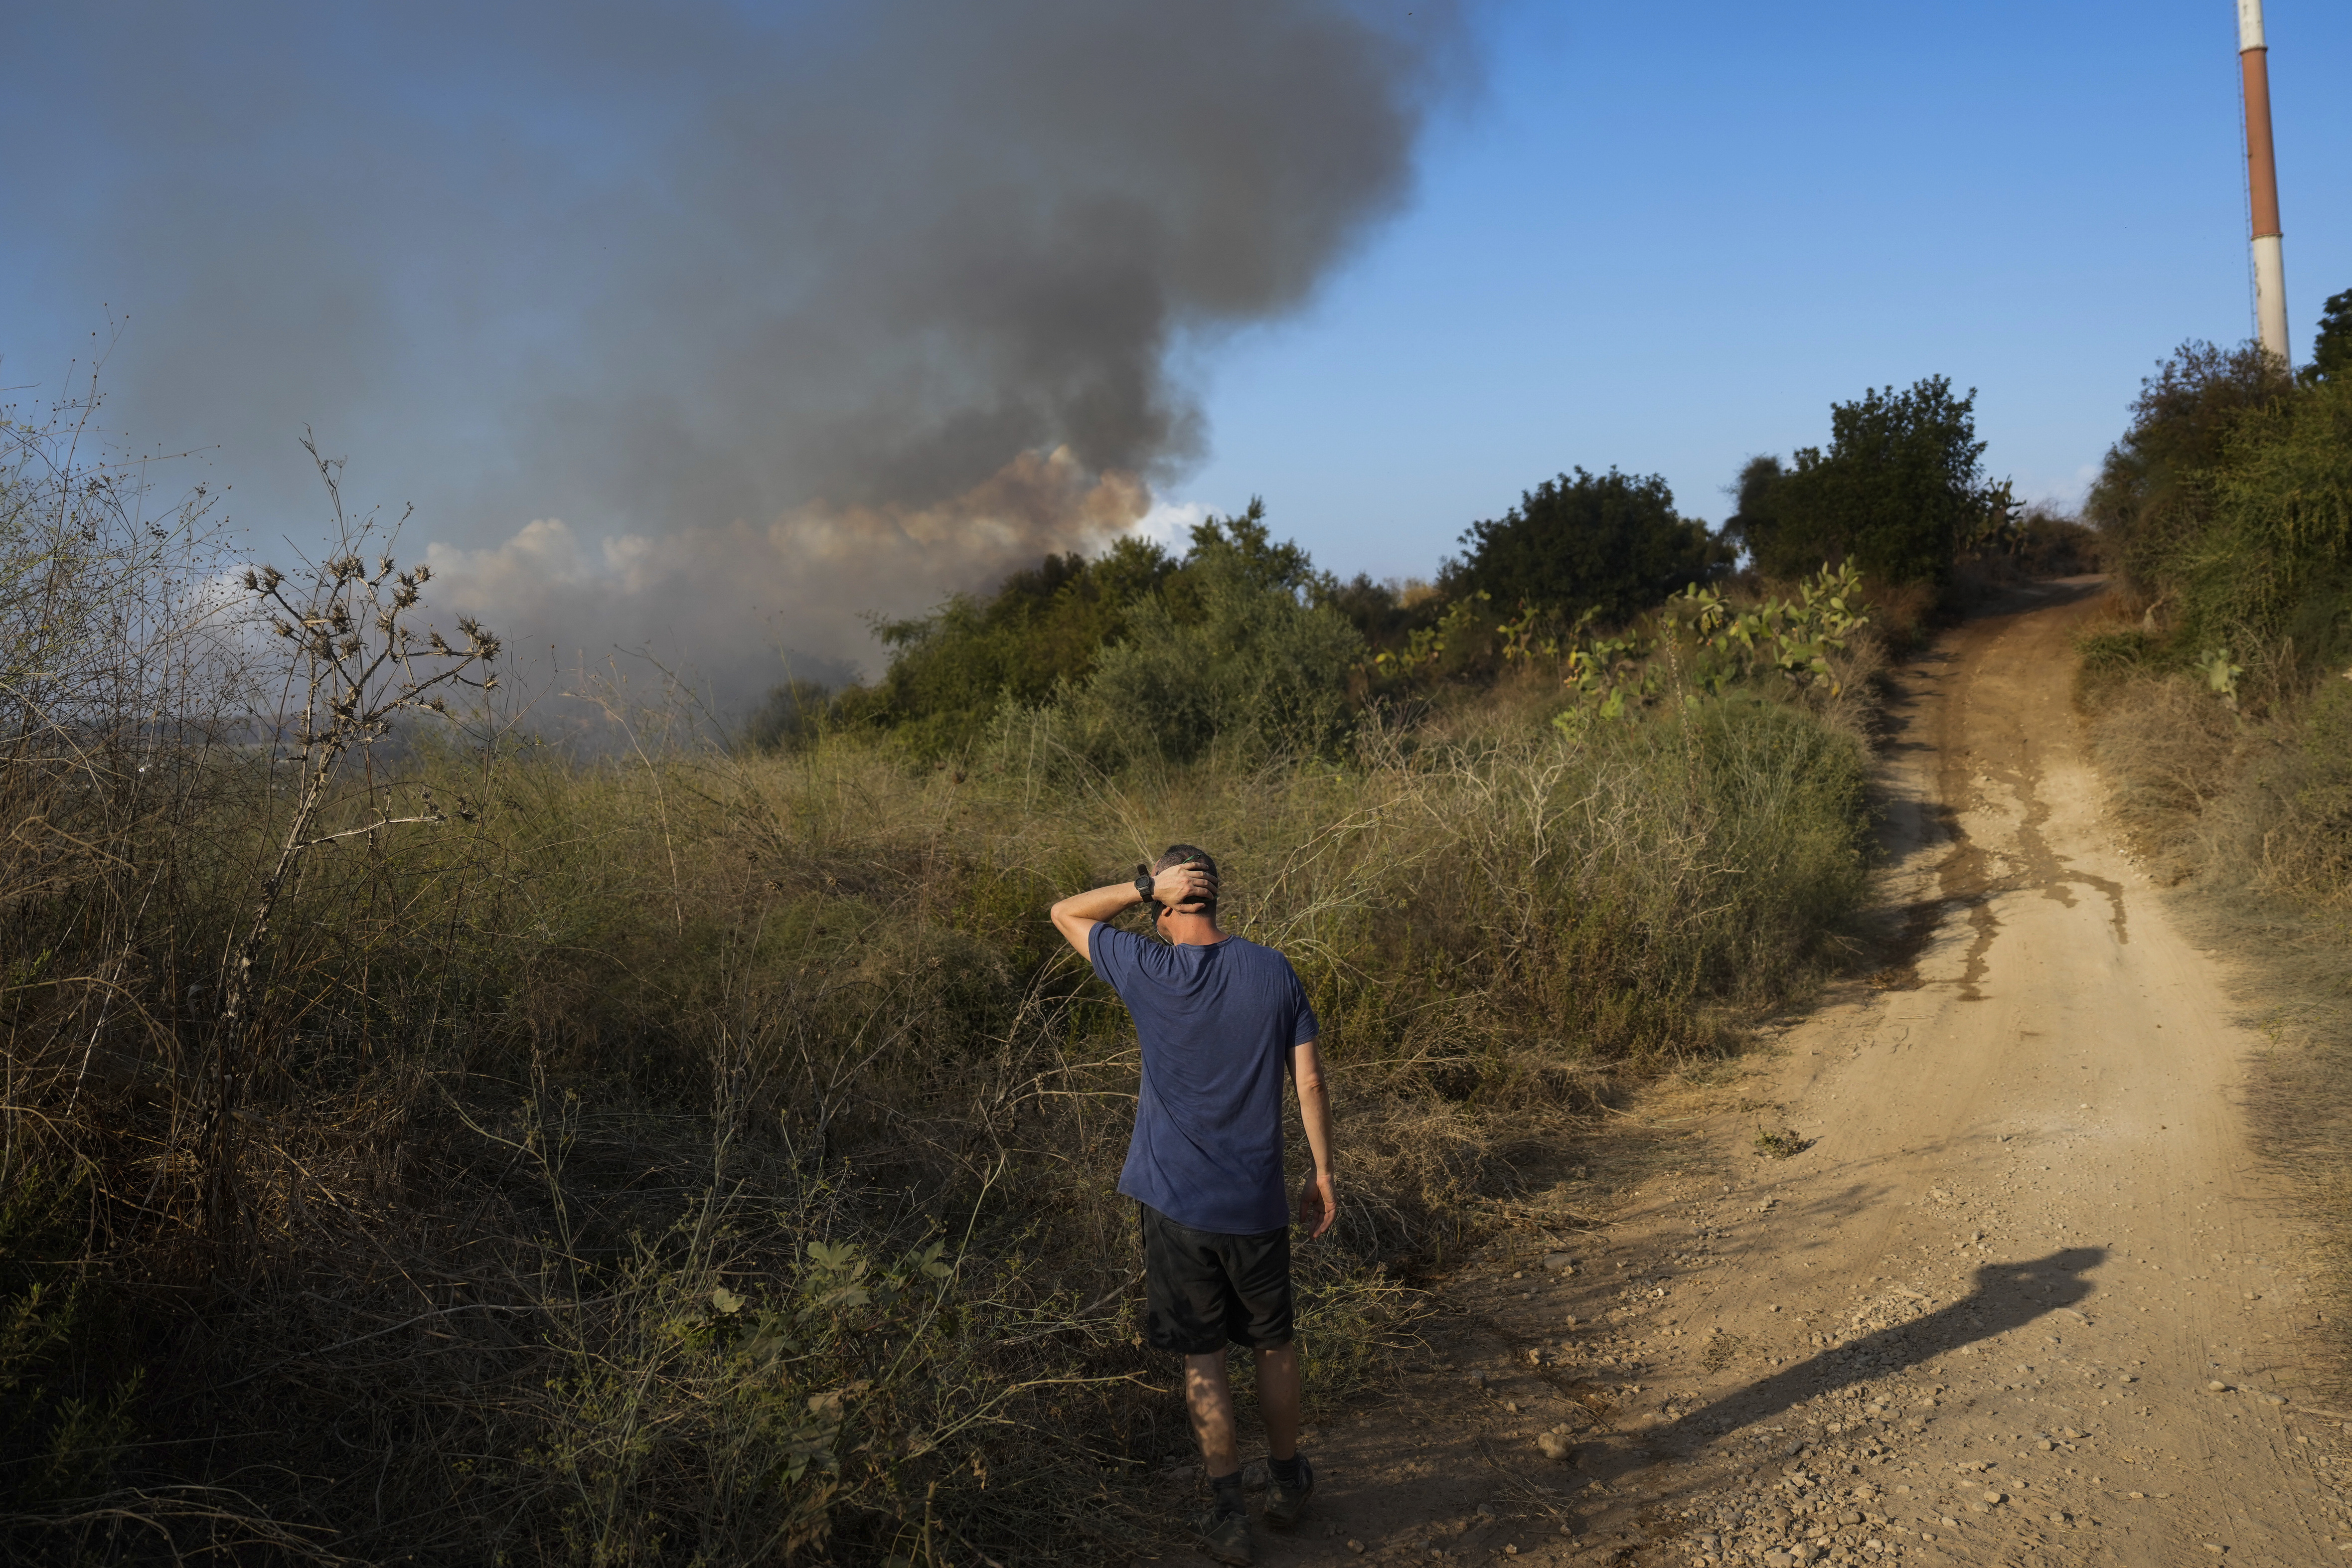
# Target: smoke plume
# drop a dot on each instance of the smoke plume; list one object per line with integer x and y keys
{"x": 699, "y": 327}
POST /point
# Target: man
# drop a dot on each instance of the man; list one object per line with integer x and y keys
{"x": 1218, "y": 1017}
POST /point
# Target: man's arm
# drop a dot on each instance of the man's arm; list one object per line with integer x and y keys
{"x": 1319, "y": 1197}
{"x": 1077, "y": 916}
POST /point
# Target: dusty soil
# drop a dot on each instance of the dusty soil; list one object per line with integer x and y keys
{"x": 2021, "y": 1293}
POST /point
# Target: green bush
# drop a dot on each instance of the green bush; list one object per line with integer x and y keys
{"x": 2145, "y": 499}
{"x": 1385, "y": 614}
{"x": 66, "y": 1420}
{"x": 1237, "y": 661}
{"x": 2227, "y": 503}
{"x": 789, "y": 715}
{"x": 2273, "y": 559}
{"x": 2223, "y": 711}
{"x": 2047, "y": 544}
{"x": 1898, "y": 491}
{"x": 1609, "y": 543}
{"x": 1044, "y": 634}
{"x": 1041, "y": 628}
{"x": 2331, "y": 345}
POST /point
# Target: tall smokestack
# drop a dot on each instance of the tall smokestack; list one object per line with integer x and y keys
{"x": 2261, "y": 181}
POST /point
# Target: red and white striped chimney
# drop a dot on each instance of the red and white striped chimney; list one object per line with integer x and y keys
{"x": 2262, "y": 183}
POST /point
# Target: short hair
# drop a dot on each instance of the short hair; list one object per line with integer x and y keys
{"x": 1186, "y": 854}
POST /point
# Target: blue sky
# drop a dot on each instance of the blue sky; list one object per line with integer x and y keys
{"x": 1667, "y": 237}
{"x": 711, "y": 326}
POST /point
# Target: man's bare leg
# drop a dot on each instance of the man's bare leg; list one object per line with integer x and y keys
{"x": 1209, "y": 1399}
{"x": 1278, "y": 1398}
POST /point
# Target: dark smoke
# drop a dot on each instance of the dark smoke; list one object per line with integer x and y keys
{"x": 697, "y": 325}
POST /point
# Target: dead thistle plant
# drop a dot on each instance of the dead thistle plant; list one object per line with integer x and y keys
{"x": 360, "y": 663}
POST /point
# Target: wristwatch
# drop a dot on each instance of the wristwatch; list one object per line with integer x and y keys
{"x": 1143, "y": 883}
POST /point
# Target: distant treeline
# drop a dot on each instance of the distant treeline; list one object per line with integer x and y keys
{"x": 1244, "y": 639}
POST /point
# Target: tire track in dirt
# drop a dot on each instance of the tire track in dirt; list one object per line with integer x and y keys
{"x": 2024, "y": 1297}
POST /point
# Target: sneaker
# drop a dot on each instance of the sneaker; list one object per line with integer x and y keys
{"x": 1225, "y": 1537}
{"x": 1283, "y": 1505}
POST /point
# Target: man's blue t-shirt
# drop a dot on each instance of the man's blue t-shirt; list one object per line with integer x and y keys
{"x": 1217, "y": 1024}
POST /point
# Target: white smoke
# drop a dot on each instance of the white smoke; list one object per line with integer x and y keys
{"x": 816, "y": 573}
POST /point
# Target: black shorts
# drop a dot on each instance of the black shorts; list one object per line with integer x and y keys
{"x": 1203, "y": 1289}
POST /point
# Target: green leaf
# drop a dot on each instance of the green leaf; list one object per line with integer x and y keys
{"x": 835, "y": 1258}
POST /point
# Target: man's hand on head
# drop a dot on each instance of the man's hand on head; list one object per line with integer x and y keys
{"x": 1186, "y": 888}
{"x": 1183, "y": 887}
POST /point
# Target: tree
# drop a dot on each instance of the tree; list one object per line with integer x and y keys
{"x": 951, "y": 670}
{"x": 1248, "y": 545}
{"x": 2144, "y": 502}
{"x": 790, "y": 716}
{"x": 2270, "y": 561}
{"x": 1046, "y": 630}
{"x": 2229, "y": 502}
{"x": 1610, "y": 543}
{"x": 1897, "y": 491}
{"x": 1752, "y": 493}
{"x": 1229, "y": 655}
{"x": 2331, "y": 348}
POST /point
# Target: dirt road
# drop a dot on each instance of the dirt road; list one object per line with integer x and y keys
{"x": 2022, "y": 1298}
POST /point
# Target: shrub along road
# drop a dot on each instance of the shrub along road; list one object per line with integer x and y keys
{"x": 2023, "y": 1293}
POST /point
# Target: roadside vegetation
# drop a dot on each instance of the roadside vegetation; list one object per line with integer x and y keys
{"x": 426, "y": 1141}
{"x": 2220, "y": 688}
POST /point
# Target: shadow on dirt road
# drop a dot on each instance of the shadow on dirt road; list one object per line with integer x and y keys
{"x": 2007, "y": 1296}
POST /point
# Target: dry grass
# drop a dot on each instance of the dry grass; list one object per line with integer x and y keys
{"x": 539, "y": 1085}
{"x": 670, "y": 1154}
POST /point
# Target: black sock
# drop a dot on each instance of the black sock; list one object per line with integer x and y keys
{"x": 1290, "y": 1472}
{"x": 1229, "y": 1494}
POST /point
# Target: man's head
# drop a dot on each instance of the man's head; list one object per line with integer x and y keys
{"x": 1186, "y": 854}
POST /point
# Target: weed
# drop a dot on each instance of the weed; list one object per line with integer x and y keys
{"x": 1781, "y": 1145}
{"x": 1722, "y": 1350}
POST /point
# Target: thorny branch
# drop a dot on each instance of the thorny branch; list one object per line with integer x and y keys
{"x": 361, "y": 664}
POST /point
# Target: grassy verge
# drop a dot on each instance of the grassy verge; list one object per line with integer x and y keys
{"x": 2244, "y": 817}
{"x": 2220, "y": 712}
